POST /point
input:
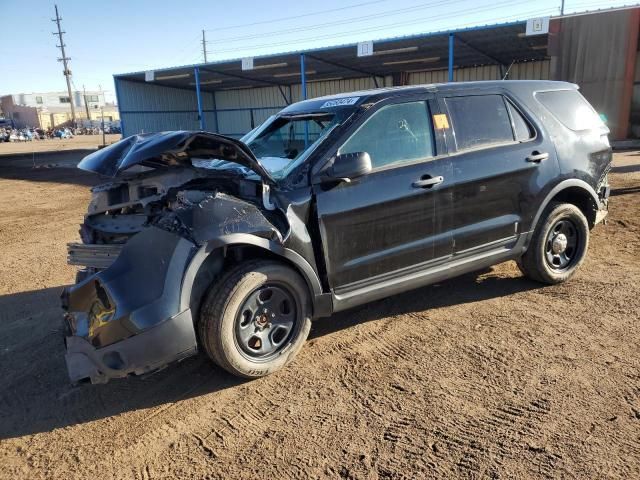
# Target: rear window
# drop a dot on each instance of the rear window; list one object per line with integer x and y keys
{"x": 479, "y": 120}
{"x": 571, "y": 109}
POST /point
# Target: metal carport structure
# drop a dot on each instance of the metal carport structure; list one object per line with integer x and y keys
{"x": 230, "y": 98}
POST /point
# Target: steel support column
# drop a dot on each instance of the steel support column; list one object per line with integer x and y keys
{"x": 119, "y": 101}
{"x": 196, "y": 72}
{"x": 215, "y": 112}
{"x": 451, "y": 38}
{"x": 303, "y": 80}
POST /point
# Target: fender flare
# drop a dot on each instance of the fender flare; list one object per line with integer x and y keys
{"x": 307, "y": 271}
{"x": 572, "y": 182}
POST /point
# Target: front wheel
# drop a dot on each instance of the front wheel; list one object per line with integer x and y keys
{"x": 558, "y": 246}
{"x": 256, "y": 318}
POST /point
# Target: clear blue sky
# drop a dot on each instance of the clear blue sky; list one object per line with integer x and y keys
{"x": 117, "y": 36}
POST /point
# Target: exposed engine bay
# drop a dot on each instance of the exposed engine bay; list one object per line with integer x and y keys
{"x": 185, "y": 201}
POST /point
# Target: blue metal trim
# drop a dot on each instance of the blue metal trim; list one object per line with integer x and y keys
{"x": 303, "y": 78}
{"x": 215, "y": 111}
{"x": 196, "y": 72}
{"x": 117, "y": 88}
{"x": 451, "y": 38}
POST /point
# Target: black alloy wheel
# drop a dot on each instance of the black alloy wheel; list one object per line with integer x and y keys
{"x": 265, "y": 321}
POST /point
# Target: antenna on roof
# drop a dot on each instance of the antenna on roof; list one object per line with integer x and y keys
{"x": 506, "y": 74}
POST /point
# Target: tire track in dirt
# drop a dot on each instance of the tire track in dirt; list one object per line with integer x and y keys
{"x": 483, "y": 376}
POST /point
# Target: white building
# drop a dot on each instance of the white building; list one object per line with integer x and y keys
{"x": 57, "y": 99}
{"x": 48, "y": 109}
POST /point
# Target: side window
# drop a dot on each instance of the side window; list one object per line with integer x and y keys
{"x": 479, "y": 120}
{"x": 394, "y": 134}
{"x": 522, "y": 130}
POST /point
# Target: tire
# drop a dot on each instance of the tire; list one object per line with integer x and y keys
{"x": 244, "y": 328}
{"x": 543, "y": 261}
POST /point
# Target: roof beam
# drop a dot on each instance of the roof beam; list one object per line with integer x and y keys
{"x": 340, "y": 65}
{"x": 288, "y": 102}
{"x": 242, "y": 77}
{"x": 477, "y": 50}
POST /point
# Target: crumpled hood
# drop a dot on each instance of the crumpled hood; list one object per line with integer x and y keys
{"x": 171, "y": 148}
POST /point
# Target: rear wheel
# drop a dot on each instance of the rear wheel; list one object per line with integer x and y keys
{"x": 558, "y": 246}
{"x": 256, "y": 318}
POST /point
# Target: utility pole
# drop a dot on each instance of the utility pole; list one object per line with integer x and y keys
{"x": 65, "y": 62}
{"x": 86, "y": 105}
{"x": 204, "y": 47}
{"x": 104, "y": 141}
{"x": 562, "y": 7}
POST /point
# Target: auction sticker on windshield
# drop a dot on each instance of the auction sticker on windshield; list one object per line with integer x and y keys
{"x": 340, "y": 102}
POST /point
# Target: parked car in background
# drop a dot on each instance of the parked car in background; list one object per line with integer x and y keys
{"x": 235, "y": 246}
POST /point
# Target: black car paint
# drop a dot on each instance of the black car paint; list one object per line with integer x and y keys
{"x": 170, "y": 149}
{"x": 352, "y": 242}
{"x": 496, "y": 190}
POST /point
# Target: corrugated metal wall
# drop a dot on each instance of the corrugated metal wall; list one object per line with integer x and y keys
{"x": 519, "y": 71}
{"x": 145, "y": 107}
{"x": 331, "y": 87}
{"x": 153, "y": 108}
{"x": 235, "y": 108}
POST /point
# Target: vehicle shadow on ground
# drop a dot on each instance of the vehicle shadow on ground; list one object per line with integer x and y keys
{"x": 54, "y": 167}
{"x": 626, "y": 169}
{"x": 625, "y": 191}
{"x": 35, "y": 394}
{"x": 472, "y": 287}
{"x": 50, "y": 174}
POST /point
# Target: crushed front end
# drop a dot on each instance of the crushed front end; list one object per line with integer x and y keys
{"x": 127, "y": 318}
{"x": 128, "y": 313}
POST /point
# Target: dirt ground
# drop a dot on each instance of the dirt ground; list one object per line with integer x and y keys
{"x": 487, "y": 375}
{"x": 55, "y": 144}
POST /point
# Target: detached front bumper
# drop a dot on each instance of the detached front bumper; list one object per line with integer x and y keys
{"x": 129, "y": 318}
{"x": 172, "y": 340}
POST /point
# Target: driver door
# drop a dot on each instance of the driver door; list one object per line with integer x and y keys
{"x": 393, "y": 221}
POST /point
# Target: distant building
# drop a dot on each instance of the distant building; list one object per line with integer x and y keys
{"x": 57, "y": 99}
{"x": 50, "y": 109}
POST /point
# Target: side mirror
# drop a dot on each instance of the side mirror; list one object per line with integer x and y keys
{"x": 348, "y": 166}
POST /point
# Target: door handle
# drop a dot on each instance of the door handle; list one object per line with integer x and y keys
{"x": 428, "y": 182}
{"x": 537, "y": 157}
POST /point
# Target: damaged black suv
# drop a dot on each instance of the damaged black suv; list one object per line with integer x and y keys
{"x": 235, "y": 246}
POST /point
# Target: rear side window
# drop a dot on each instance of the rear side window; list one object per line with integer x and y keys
{"x": 394, "y": 134}
{"x": 479, "y": 120}
{"x": 521, "y": 129}
{"x": 571, "y": 109}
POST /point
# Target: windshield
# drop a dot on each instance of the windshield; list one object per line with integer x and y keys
{"x": 284, "y": 141}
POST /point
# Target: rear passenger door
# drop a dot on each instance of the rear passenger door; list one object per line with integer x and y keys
{"x": 501, "y": 161}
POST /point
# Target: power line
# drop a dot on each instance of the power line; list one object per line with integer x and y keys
{"x": 188, "y": 49}
{"x": 349, "y": 20}
{"x": 385, "y": 27}
{"x": 599, "y": 5}
{"x": 520, "y": 15}
{"x": 483, "y": 9}
{"x": 282, "y": 19}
